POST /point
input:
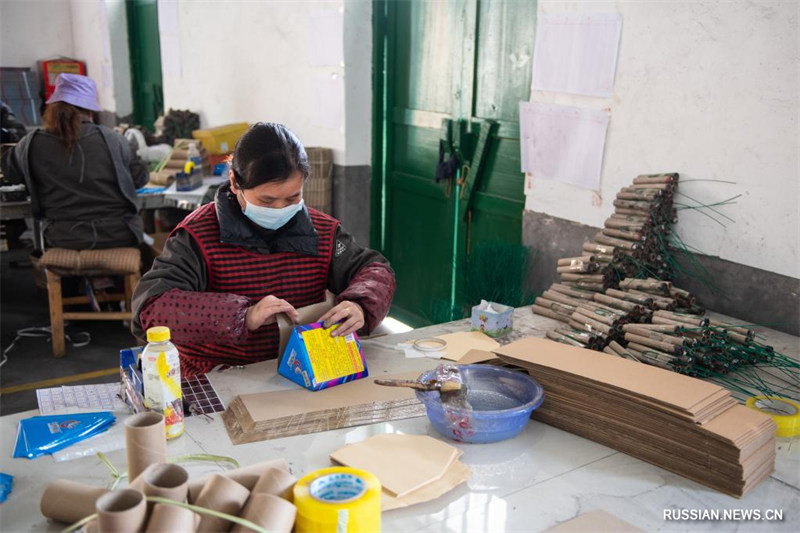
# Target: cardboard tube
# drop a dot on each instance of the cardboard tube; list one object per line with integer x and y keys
{"x": 543, "y": 311}
{"x": 145, "y": 441}
{"x": 633, "y": 204}
{"x": 271, "y": 512}
{"x": 624, "y": 295}
{"x": 68, "y": 501}
{"x": 564, "y": 309}
{"x": 276, "y": 482}
{"x": 624, "y": 225}
{"x": 561, "y": 298}
{"x": 596, "y": 248}
{"x": 224, "y": 495}
{"x": 121, "y": 511}
{"x": 616, "y": 302}
{"x": 646, "y": 341}
{"x": 570, "y": 261}
{"x": 660, "y": 328}
{"x": 571, "y": 292}
{"x": 592, "y": 314}
{"x": 590, "y": 278}
{"x": 165, "y": 480}
{"x": 558, "y": 337}
{"x": 635, "y": 236}
{"x": 171, "y": 519}
{"x": 585, "y": 285}
{"x": 635, "y": 212}
{"x": 594, "y": 325}
{"x": 247, "y": 476}
{"x": 656, "y": 178}
{"x": 646, "y": 186}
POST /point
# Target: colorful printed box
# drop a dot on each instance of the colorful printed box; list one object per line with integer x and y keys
{"x": 315, "y": 360}
{"x": 492, "y": 318}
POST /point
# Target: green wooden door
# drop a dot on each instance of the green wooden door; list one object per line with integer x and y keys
{"x": 145, "y": 56}
{"x": 460, "y": 59}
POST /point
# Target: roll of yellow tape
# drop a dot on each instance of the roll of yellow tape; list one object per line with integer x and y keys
{"x": 785, "y": 413}
{"x": 338, "y": 500}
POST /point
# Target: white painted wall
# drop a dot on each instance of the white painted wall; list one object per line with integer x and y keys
{"x": 243, "y": 61}
{"x": 709, "y": 89}
{"x": 31, "y": 31}
{"x": 94, "y": 31}
{"x": 358, "y": 81}
{"x": 90, "y": 34}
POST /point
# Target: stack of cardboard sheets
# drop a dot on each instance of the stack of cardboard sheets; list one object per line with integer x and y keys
{"x": 685, "y": 425}
{"x": 272, "y": 415}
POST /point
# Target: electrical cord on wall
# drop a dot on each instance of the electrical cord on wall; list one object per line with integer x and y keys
{"x": 81, "y": 338}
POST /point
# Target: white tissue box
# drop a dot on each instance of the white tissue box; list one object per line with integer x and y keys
{"x": 492, "y": 318}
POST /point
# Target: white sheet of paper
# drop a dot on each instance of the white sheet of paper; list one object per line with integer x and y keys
{"x": 326, "y": 38}
{"x": 99, "y": 397}
{"x": 563, "y": 143}
{"x": 327, "y": 97}
{"x": 576, "y": 53}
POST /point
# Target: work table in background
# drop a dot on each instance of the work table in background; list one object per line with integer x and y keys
{"x": 542, "y": 477}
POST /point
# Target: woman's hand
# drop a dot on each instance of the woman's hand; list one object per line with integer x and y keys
{"x": 350, "y": 312}
{"x": 265, "y": 310}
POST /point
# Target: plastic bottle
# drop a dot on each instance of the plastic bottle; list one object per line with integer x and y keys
{"x": 161, "y": 371}
{"x": 194, "y": 157}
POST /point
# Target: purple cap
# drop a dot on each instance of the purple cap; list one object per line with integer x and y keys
{"x": 77, "y": 90}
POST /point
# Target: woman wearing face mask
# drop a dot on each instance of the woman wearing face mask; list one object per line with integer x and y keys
{"x": 231, "y": 266}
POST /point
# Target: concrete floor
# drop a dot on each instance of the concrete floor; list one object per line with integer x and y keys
{"x": 23, "y": 305}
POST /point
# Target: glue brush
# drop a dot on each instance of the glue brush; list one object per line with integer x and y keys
{"x": 433, "y": 385}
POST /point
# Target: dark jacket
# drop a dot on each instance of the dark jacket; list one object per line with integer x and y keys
{"x": 356, "y": 274}
{"x": 85, "y": 198}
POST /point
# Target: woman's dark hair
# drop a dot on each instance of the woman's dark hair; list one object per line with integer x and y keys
{"x": 268, "y": 152}
{"x": 64, "y": 120}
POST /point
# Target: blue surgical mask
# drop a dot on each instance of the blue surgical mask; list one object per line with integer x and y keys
{"x": 268, "y": 217}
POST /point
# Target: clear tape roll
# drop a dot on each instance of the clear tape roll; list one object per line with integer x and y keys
{"x": 338, "y": 499}
{"x": 785, "y": 413}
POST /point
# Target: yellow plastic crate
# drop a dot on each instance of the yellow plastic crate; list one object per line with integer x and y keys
{"x": 222, "y": 139}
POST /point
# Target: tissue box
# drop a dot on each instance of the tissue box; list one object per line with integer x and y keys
{"x": 492, "y": 318}
{"x": 315, "y": 360}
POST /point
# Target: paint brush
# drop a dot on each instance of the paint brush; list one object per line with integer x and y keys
{"x": 433, "y": 385}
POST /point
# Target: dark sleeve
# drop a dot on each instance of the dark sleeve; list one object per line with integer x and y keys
{"x": 363, "y": 276}
{"x": 173, "y": 294}
{"x": 13, "y": 129}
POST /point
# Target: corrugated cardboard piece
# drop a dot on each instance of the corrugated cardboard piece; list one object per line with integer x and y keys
{"x": 271, "y": 415}
{"x": 690, "y": 427}
{"x": 307, "y": 315}
{"x": 411, "y": 468}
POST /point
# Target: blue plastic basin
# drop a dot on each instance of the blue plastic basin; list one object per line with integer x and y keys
{"x": 501, "y": 400}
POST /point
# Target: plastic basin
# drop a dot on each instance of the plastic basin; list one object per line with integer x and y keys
{"x": 501, "y": 400}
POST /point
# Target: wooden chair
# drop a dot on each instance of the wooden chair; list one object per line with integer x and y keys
{"x": 60, "y": 262}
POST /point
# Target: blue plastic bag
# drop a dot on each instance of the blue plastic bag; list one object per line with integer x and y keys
{"x": 40, "y": 435}
{"x": 6, "y": 483}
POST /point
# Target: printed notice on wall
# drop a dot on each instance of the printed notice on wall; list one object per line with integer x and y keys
{"x": 562, "y": 143}
{"x": 576, "y": 53}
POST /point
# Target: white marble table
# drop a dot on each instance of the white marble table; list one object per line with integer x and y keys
{"x": 530, "y": 483}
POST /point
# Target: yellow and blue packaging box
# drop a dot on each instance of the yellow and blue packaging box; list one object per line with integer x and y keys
{"x": 315, "y": 360}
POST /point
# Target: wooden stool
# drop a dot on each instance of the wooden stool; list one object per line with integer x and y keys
{"x": 60, "y": 262}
